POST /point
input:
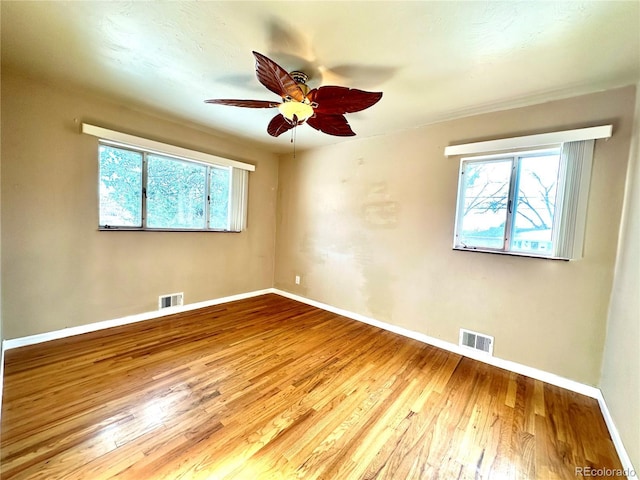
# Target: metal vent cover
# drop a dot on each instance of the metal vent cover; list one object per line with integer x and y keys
{"x": 171, "y": 300}
{"x": 476, "y": 341}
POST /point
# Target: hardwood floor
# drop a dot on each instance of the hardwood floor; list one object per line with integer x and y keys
{"x": 269, "y": 388}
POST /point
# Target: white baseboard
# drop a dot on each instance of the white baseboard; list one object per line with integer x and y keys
{"x": 625, "y": 460}
{"x": 92, "y": 327}
{"x": 541, "y": 375}
{"x": 547, "y": 377}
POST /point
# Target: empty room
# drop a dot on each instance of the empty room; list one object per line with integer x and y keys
{"x": 320, "y": 240}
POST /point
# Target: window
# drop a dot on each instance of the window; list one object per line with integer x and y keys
{"x": 149, "y": 185}
{"x": 529, "y": 203}
{"x": 508, "y": 202}
{"x": 530, "y": 199}
{"x": 141, "y": 190}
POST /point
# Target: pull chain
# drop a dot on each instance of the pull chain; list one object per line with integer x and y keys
{"x": 293, "y": 140}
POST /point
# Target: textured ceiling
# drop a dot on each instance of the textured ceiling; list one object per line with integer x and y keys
{"x": 432, "y": 60}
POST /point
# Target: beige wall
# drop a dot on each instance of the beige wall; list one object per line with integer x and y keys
{"x": 57, "y": 269}
{"x": 620, "y": 381}
{"x": 368, "y": 225}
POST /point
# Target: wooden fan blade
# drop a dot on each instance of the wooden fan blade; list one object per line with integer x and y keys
{"x": 243, "y": 103}
{"x": 331, "y": 124}
{"x": 333, "y": 100}
{"x": 278, "y": 125}
{"x": 276, "y": 78}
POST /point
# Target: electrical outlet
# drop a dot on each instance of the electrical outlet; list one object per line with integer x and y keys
{"x": 297, "y": 279}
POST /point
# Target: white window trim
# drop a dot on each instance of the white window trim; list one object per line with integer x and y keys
{"x": 125, "y": 140}
{"x": 529, "y": 141}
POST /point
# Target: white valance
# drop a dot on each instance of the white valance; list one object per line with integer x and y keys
{"x": 126, "y": 140}
{"x": 527, "y": 141}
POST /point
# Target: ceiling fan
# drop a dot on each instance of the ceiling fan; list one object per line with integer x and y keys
{"x": 322, "y": 108}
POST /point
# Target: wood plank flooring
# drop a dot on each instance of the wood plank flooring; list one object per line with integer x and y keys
{"x": 269, "y": 388}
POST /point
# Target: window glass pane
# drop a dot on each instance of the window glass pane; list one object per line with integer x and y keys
{"x": 219, "y": 194}
{"x": 120, "y": 189}
{"x": 175, "y": 193}
{"x": 535, "y": 204}
{"x": 484, "y": 204}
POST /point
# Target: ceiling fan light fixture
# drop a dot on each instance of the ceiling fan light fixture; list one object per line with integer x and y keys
{"x": 300, "y": 110}
{"x": 322, "y": 108}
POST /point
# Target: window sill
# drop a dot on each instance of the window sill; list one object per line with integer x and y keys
{"x": 512, "y": 254}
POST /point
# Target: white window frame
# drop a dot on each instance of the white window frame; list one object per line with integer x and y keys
{"x": 239, "y": 177}
{"x": 514, "y": 158}
{"x": 576, "y": 151}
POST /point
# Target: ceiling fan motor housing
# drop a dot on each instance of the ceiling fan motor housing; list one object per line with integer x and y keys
{"x": 301, "y": 80}
{"x": 299, "y": 77}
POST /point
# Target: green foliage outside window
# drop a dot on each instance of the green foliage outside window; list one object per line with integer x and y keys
{"x": 120, "y": 187}
{"x": 148, "y": 191}
{"x": 175, "y": 193}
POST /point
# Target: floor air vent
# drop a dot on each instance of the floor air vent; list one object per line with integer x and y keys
{"x": 172, "y": 300}
{"x": 477, "y": 341}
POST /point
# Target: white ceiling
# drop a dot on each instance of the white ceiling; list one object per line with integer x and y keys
{"x": 432, "y": 60}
